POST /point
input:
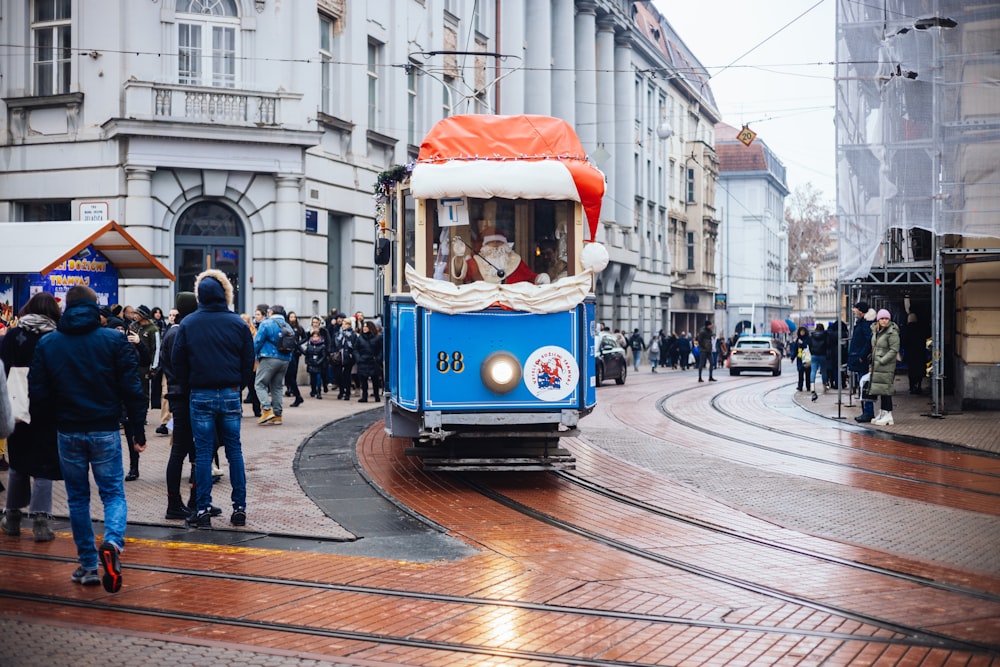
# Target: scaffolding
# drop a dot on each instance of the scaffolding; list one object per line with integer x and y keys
{"x": 918, "y": 151}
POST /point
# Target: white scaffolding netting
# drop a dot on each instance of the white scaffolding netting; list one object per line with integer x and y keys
{"x": 918, "y": 124}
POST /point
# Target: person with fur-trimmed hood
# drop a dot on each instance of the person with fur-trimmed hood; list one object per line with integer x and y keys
{"x": 859, "y": 352}
{"x": 213, "y": 358}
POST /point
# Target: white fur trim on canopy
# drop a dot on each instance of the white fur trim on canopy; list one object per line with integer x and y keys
{"x": 443, "y": 296}
{"x": 514, "y": 179}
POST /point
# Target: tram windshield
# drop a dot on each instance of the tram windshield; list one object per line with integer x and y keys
{"x": 499, "y": 240}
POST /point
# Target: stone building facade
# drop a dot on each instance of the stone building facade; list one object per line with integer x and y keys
{"x": 248, "y": 134}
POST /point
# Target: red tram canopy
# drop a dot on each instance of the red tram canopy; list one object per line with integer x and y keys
{"x": 531, "y": 157}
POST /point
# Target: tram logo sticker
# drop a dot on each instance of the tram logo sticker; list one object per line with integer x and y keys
{"x": 550, "y": 373}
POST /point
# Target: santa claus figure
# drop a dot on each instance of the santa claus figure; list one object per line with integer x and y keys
{"x": 496, "y": 262}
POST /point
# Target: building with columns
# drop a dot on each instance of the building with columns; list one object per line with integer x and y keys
{"x": 248, "y": 134}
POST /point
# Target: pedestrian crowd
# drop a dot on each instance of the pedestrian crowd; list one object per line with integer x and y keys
{"x": 868, "y": 358}
{"x": 74, "y": 380}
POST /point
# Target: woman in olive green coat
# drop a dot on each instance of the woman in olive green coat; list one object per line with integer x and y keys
{"x": 885, "y": 349}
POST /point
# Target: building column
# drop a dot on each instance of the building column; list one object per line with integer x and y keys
{"x": 511, "y": 90}
{"x": 624, "y": 114}
{"x": 605, "y": 50}
{"x": 287, "y": 278}
{"x": 563, "y": 61}
{"x": 538, "y": 58}
{"x": 139, "y": 208}
{"x": 586, "y": 74}
{"x": 139, "y": 224}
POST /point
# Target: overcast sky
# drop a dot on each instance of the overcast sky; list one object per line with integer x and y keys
{"x": 777, "y": 88}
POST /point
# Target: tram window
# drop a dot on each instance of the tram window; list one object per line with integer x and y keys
{"x": 408, "y": 238}
{"x": 505, "y": 240}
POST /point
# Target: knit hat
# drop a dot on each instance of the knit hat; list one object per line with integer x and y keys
{"x": 883, "y": 313}
{"x": 862, "y": 306}
{"x": 144, "y": 312}
{"x": 115, "y": 322}
{"x": 185, "y": 303}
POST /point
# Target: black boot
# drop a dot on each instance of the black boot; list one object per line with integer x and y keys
{"x": 133, "y": 472}
{"x": 176, "y": 509}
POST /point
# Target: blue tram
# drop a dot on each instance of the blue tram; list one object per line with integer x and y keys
{"x": 488, "y": 255}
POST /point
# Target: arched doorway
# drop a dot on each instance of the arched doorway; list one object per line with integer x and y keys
{"x": 210, "y": 235}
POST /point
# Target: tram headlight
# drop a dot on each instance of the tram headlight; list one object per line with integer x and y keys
{"x": 501, "y": 372}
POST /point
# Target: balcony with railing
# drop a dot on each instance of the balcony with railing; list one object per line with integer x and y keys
{"x": 150, "y": 101}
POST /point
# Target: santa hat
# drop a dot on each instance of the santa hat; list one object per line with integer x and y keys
{"x": 492, "y": 235}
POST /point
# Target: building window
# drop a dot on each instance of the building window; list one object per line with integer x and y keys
{"x": 412, "y": 81}
{"x": 326, "y": 26}
{"x": 690, "y": 251}
{"x": 374, "y": 62}
{"x": 446, "y": 103}
{"x": 206, "y": 43}
{"x": 690, "y": 186}
{"x": 51, "y": 34}
{"x": 43, "y": 211}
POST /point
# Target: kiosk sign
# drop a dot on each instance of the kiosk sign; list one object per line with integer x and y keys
{"x": 88, "y": 268}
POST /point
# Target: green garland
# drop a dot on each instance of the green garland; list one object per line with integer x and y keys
{"x": 385, "y": 186}
{"x": 386, "y": 181}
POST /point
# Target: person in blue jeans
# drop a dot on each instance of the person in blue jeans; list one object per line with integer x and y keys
{"x": 80, "y": 377}
{"x": 212, "y": 358}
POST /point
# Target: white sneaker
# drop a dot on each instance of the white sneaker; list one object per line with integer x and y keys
{"x": 884, "y": 419}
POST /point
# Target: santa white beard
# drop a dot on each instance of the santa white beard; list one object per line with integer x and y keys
{"x": 496, "y": 256}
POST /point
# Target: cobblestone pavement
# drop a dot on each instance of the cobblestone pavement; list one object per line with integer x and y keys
{"x": 277, "y": 503}
{"x": 38, "y": 645}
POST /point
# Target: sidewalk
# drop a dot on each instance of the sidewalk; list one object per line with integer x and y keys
{"x": 276, "y": 502}
{"x": 912, "y": 416}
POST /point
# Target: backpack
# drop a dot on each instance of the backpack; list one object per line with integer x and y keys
{"x": 636, "y": 341}
{"x": 287, "y": 340}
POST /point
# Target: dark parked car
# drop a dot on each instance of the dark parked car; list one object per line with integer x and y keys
{"x": 755, "y": 353}
{"x": 611, "y": 361}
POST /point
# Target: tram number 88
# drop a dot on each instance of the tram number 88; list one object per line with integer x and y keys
{"x": 453, "y": 362}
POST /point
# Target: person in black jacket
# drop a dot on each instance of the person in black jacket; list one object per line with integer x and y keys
{"x": 212, "y": 358}
{"x": 801, "y": 343}
{"x": 32, "y": 447}
{"x": 316, "y": 351}
{"x": 142, "y": 355}
{"x": 818, "y": 346}
{"x": 343, "y": 358}
{"x": 369, "y": 361}
{"x": 859, "y": 354}
{"x": 292, "y": 372}
{"x": 81, "y": 374}
{"x": 182, "y": 440}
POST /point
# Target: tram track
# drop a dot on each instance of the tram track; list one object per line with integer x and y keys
{"x": 940, "y": 640}
{"x": 114, "y": 605}
{"x": 796, "y": 439}
{"x": 774, "y": 544}
{"x": 718, "y": 407}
